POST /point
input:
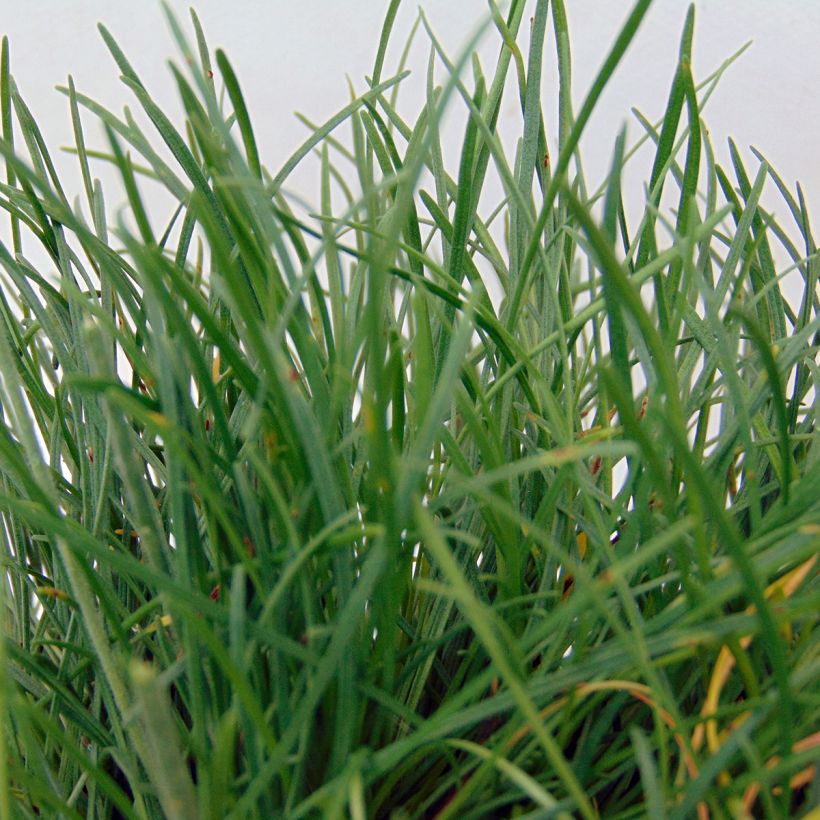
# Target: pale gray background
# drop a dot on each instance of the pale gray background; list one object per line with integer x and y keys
{"x": 293, "y": 55}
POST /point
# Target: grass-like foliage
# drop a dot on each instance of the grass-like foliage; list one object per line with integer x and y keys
{"x": 418, "y": 501}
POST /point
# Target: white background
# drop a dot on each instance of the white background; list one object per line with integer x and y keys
{"x": 294, "y": 54}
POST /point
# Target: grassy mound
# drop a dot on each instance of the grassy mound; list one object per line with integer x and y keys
{"x": 413, "y": 502}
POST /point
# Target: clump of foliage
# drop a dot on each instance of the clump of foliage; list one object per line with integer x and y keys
{"x": 409, "y": 503}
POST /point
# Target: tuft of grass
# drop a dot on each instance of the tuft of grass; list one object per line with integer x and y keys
{"x": 407, "y": 503}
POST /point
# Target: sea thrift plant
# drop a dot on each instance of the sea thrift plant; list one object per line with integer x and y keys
{"x": 457, "y": 491}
